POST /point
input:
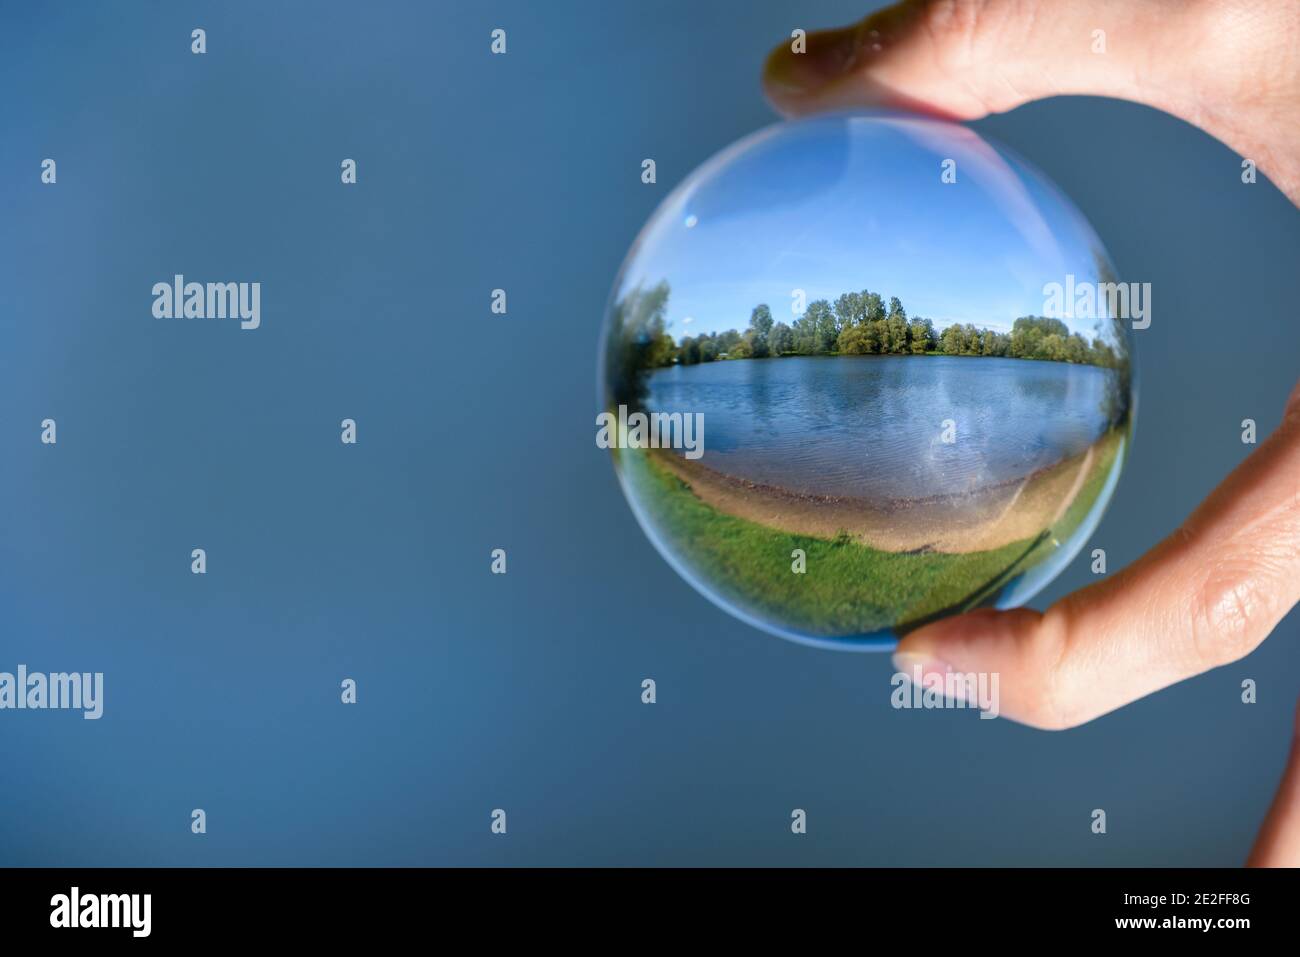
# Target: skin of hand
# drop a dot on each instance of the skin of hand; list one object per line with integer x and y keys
{"x": 1214, "y": 589}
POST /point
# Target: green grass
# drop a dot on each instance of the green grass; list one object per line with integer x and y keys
{"x": 848, "y": 589}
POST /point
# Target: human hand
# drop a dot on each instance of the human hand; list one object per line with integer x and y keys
{"x": 1231, "y": 67}
{"x": 1212, "y": 591}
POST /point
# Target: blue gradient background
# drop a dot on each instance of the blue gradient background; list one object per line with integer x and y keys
{"x": 476, "y": 431}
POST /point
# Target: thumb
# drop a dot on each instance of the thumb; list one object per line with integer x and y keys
{"x": 963, "y": 59}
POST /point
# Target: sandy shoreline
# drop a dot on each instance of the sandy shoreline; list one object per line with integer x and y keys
{"x": 988, "y": 519}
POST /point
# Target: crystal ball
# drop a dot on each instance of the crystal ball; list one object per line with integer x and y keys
{"x": 865, "y": 370}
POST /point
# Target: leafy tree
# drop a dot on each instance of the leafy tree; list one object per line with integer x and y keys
{"x": 855, "y": 341}
{"x": 879, "y": 332}
{"x": 995, "y": 343}
{"x": 637, "y": 343}
{"x": 781, "y": 339}
{"x": 850, "y": 309}
{"x": 690, "y": 352}
{"x": 1053, "y": 347}
{"x": 805, "y": 334}
{"x": 953, "y": 341}
{"x": 921, "y": 336}
{"x": 1076, "y": 349}
{"x": 760, "y": 324}
{"x": 873, "y": 307}
{"x": 897, "y": 325}
{"x": 1103, "y": 355}
{"x": 822, "y": 320}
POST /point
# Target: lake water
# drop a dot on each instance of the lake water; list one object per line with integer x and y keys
{"x": 872, "y": 426}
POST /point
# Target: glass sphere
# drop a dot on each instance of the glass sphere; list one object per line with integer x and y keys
{"x": 865, "y": 370}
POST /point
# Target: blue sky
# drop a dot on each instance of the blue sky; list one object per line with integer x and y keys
{"x": 835, "y": 205}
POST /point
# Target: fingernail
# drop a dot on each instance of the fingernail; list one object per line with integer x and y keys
{"x": 829, "y": 55}
{"x": 920, "y": 668}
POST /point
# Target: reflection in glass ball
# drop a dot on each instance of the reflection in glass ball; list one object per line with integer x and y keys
{"x": 865, "y": 370}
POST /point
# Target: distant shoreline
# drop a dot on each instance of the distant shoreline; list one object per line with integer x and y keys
{"x": 882, "y": 355}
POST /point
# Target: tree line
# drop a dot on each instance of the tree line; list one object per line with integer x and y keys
{"x": 857, "y": 323}
{"x": 860, "y": 323}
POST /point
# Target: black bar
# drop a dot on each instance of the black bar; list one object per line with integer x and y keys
{"x": 332, "y": 906}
